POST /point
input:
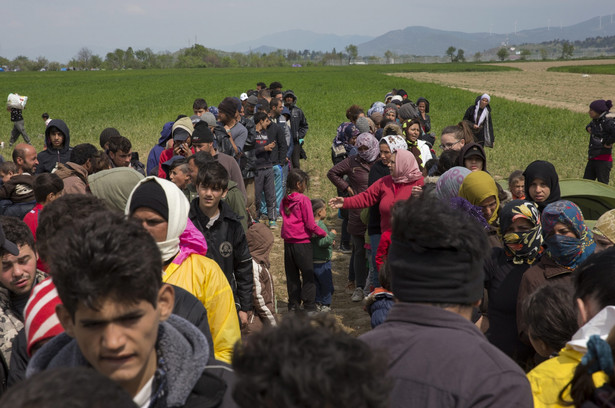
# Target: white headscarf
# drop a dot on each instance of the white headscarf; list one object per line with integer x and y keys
{"x": 395, "y": 142}
{"x": 179, "y": 208}
{"x": 485, "y": 113}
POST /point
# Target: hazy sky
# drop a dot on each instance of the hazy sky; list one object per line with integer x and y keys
{"x": 57, "y": 29}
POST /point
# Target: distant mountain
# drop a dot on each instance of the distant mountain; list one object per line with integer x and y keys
{"x": 299, "y": 40}
{"x": 418, "y": 40}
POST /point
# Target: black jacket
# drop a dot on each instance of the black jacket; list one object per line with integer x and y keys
{"x": 48, "y": 158}
{"x": 601, "y": 132}
{"x": 276, "y": 134}
{"x": 298, "y": 123}
{"x": 227, "y": 245}
{"x": 484, "y": 134}
{"x": 223, "y": 141}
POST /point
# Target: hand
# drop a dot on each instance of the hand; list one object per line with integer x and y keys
{"x": 608, "y": 146}
{"x": 350, "y": 191}
{"x": 337, "y": 202}
{"x": 270, "y": 146}
{"x": 475, "y": 126}
{"x": 334, "y": 232}
{"x": 243, "y": 318}
{"x": 417, "y": 191}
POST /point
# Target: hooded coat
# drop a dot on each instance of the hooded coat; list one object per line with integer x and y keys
{"x": 183, "y": 353}
{"x": 48, "y": 158}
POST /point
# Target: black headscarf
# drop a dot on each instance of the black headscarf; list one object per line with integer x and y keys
{"x": 545, "y": 171}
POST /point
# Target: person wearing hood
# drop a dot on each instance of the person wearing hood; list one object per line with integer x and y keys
{"x": 541, "y": 183}
{"x": 154, "y": 154}
{"x": 181, "y": 132}
{"x": 472, "y": 156}
{"x": 163, "y": 210}
{"x": 479, "y": 115}
{"x": 356, "y": 169}
{"x": 594, "y": 297}
{"x": 298, "y": 127}
{"x": 601, "y": 137}
{"x": 117, "y": 316}
{"x": 521, "y": 235}
{"x": 57, "y": 140}
{"x": 568, "y": 243}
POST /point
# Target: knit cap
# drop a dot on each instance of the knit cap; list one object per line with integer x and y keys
{"x": 41, "y": 320}
{"x": 228, "y": 106}
{"x": 600, "y": 106}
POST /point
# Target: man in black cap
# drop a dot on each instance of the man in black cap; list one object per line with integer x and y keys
{"x": 436, "y": 356}
{"x": 298, "y": 127}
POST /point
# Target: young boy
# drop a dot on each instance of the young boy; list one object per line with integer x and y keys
{"x": 179, "y": 174}
{"x": 7, "y": 170}
{"x": 199, "y": 107}
{"x": 117, "y": 316}
{"x": 322, "y": 251}
{"x": 516, "y": 185}
{"x": 226, "y": 239}
{"x": 263, "y": 181}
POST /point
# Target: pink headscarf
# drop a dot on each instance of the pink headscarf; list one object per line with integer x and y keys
{"x": 406, "y": 168}
{"x": 373, "y": 150}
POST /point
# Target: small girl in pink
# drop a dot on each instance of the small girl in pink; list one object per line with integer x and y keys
{"x": 297, "y": 229}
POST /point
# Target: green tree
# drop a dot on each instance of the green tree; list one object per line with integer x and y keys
{"x": 40, "y": 63}
{"x": 544, "y": 54}
{"x": 460, "y": 57}
{"x": 450, "y": 52}
{"x": 567, "y": 49}
{"x": 389, "y": 56}
{"x": 82, "y": 59}
{"x": 352, "y": 51}
{"x": 477, "y": 56}
{"x": 502, "y": 53}
{"x": 525, "y": 53}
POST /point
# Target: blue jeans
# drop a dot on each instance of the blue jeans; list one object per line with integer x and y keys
{"x": 324, "y": 282}
{"x": 278, "y": 179}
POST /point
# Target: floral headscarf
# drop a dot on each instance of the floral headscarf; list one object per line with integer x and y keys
{"x": 567, "y": 251}
{"x": 477, "y": 187}
{"x": 367, "y": 139}
{"x": 395, "y": 142}
{"x": 345, "y": 132}
{"x": 449, "y": 183}
{"x": 522, "y": 247}
{"x": 406, "y": 168}
{"x": 605, "y": 226}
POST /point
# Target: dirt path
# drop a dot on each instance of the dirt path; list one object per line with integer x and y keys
{"x": 533, "y": 84}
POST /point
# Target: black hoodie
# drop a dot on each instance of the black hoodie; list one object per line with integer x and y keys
{"x": 48, "y": 158}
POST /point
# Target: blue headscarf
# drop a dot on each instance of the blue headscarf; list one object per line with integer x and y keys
{"x": 567, "y": 251}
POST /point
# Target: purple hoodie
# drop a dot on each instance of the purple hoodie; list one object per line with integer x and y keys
{"x": 298, "y": 223}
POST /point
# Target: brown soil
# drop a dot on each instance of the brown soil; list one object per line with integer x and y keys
{"x": 532, "y": 85}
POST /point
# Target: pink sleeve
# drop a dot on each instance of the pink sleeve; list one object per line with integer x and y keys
{"x": 308, "y": 217}
{"x": 365, "y": 199}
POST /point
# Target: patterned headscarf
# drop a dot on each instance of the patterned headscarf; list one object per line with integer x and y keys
{"x": 605, "y": 226}
{"x": 395, "y": 142}
{"x": 567, "y": 251}
{"x": 406, "y": 168}
{"x": 373, "y": 151}
{"x": 476, "y": 187}
{"x": 449, "y": 183}
{"x": 522, "y": 247}
{"x": 345, "y": 132}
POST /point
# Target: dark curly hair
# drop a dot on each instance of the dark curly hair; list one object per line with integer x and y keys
{"x": 98, "y": 261}
{"x": 16, "y": 231}
{"x": 308, "y": 362}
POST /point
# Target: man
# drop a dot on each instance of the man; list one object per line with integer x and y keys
{"x": 121, "y": 155}
{"x": 261, "y": 85}
{"x": 17, "y": 278}
{"x": 436, "y": 356}
{"x": 117, "y": 316}
{"x": 228, "y": 116}
{"x": 25, "y": 158}
{"x": 277, "y": 132}
{"x": 57, "y": 140}
{"x": 199, "y": 107}
{"x": 275, "y": 86}
{"x": 298, "y": 127}
{"x": 18, "y": 125}
{"x": 76, "y": 171}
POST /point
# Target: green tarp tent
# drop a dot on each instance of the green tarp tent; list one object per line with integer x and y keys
{"x": 592, "y": 197}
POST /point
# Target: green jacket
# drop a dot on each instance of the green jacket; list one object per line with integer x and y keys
{"x": 322, "y": 248}
{"x": 236, "y": 200}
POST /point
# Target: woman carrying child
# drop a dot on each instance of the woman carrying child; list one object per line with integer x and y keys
{"x": 297, "y": 229}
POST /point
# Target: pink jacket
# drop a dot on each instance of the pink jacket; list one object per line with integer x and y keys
{"x": 386, "y": 192}
{"x": 298, "y": 225}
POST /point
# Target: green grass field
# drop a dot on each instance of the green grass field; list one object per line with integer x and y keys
{"x": 138, "y": 103}
{"x": 586, "y": 69}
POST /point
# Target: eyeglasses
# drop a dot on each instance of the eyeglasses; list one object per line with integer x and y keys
{"x": 448, "y": 146}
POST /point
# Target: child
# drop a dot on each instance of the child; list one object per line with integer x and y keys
{"x": 46, "y": 118}
{"x": 179, "y": 173}
{"x": 7, "y": 170}
{"x": 516, "y": 185}
{"x": 381, "y": 300}
{"x": 297, "y": 229}
{"x": 226, "y": 239}
{"x": 322, "y": 250}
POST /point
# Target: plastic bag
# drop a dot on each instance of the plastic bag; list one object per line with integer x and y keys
{"x": 16, "y": 101}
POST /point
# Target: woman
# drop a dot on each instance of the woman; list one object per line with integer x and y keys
{"x": 568, "y": 243}
{"x": 604, "y": 231}
{"x": 449, "y": 183}
{"x": 480, "y": 189}
{"x": 455, "y": 137}
{"x": 423, "y": 105}
{"x": 522, "y": 246}
{"x": 480, "y": 116}
{"x": 473, "y": 157}
{"x": 388, "y": 146}
{"x": 405, "y": 178}
{"x": 357, "y": 169}
{"x": 420, "y": 149}
{"x": 343, "y": 144}
{"x": 601, "y": 137}
{"x": 541, "y": 183}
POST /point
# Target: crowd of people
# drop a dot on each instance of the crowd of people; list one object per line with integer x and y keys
{"x": 152, "y": 280}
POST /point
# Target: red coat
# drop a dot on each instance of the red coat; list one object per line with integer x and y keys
{"x": 386, "y": 193}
